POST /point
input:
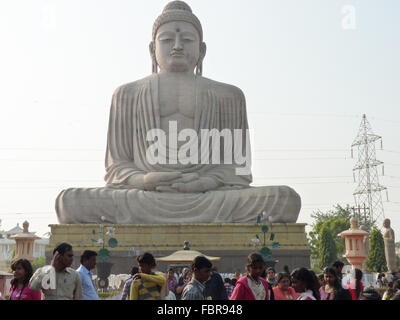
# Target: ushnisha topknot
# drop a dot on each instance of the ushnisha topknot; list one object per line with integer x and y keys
{"x": 177, "y": 11}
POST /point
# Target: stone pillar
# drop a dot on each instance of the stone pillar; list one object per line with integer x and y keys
{"x": 24, "y": 244}
{"x": 355, "y": 245}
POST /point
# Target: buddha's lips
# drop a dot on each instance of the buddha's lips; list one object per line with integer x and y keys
{"x": 176, "y": 54}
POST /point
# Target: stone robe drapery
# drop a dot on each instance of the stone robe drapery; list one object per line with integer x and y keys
{"x": 135, "y": 111}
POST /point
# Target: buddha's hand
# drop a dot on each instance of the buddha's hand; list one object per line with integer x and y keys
{"x": 152, "y": 180}
{"x": 202, "y": 184}
{"x": 185, "y": 178}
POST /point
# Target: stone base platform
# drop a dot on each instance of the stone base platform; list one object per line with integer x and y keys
{"x": 232, "y": 242}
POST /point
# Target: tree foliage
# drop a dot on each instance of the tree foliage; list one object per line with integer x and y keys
{"x": 376, "y": 261}
{"x": 326, "y": 247}
{"x": 336, "y": 221}
{"x": 38, "y": 263}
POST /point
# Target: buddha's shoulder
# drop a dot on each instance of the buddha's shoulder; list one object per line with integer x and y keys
{"x": 134, "y": 86}
{"x": 220, "y": 88}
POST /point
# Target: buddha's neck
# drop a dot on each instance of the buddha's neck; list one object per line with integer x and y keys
{"x": 177, "y": 75}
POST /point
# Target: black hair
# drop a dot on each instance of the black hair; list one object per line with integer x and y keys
{"x": 309, "y": 279}
{"x": 227, "y": 280}
{"x": 134, "y": 270}
{"x": 201, "y": 262}
{"x": 338, "y": 264}
{"x": 233, "y": 282}
{"x": 253, "y": 259}
{"x": 282, "y": 275}
{"x": 26, "y": 265}
{"x": 170, "y": 269}
{"x": 87, "y": 254}
{"x": 62, "y": 248}
{"x": 271, "y": 269}
{"x": 147, "y": 258}
{"x": 286, "y": 269}
{"x": 358, "y": 276}
{"x": 336, "y": 284}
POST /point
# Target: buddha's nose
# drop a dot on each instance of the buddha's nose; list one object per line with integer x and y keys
{"x": 178, "y": 46}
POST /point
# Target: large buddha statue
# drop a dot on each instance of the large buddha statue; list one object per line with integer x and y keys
{"x": 148, "y": 185}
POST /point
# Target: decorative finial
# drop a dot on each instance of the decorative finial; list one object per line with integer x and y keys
{"x": 353, "y": 224}
{"x": 26, "y": 226}
{"x": 186, "y": 247}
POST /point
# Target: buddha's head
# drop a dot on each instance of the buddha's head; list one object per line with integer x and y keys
{"x": 177, "y": 44}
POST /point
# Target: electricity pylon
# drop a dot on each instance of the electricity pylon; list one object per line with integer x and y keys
{"x": 367, "y": 195}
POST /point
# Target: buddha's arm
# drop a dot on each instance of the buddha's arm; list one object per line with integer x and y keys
{"x": 120, "y": 162}
{"x": 120, "y": 165}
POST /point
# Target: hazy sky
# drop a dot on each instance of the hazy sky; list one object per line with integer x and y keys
{"x": 307, "y": 81}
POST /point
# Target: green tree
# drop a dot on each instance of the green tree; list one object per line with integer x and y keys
{"x": 337, "y": 220}
{"x": 38, "y": 263}
{"x": 326, "y": 247}
{"x": 376, "y": 261}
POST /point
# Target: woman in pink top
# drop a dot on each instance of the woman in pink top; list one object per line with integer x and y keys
{"x": 252, "y": 286}
{"x": 20, "y": 283}
{"x": 283, "y": 290}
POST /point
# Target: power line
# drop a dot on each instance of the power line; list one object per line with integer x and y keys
{"x": 50, "y": 149}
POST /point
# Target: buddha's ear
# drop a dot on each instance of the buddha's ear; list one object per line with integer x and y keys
{"x": 199, "y": 67}
{"x": 153, "y": 57}
{"x": 203, "y": 50}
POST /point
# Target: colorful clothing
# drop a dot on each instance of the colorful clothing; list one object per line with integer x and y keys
{"x": 324, "y": 295}
{"x": 25, "y": 293}
{"x": 353, "y": 291}
{"x": 246, "y": 290}
{"x": 148, "y": 287}
{"x": 291, "y": 294}
{"x": 127, "y": 289}
{"x": 172, "y": 285}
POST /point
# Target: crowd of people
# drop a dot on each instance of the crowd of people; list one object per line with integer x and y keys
{"x": 199, "y": 282}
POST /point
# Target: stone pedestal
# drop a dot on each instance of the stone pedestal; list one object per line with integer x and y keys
{"x": 231, "y": 242}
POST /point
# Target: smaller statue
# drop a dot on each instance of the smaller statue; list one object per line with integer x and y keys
{"x": 390, "y": 251}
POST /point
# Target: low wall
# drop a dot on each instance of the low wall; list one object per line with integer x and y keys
{"x": 231, "y": 242}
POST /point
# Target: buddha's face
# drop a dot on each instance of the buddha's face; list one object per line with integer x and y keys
{"x": 177, "y": 47}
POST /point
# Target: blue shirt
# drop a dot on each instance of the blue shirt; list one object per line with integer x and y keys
{"x": 88, "y": 289}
